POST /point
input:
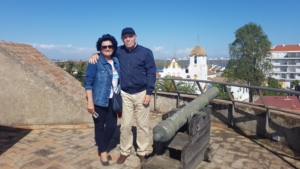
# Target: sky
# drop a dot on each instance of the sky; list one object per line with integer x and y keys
{"x": 69, "y": 29}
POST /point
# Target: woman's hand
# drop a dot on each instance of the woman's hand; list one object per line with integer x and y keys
{"x": 90, "y": 107}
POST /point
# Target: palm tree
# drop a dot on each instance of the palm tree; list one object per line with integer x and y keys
{"x": 187, "y": 87}
{"x": 165, "y": 85}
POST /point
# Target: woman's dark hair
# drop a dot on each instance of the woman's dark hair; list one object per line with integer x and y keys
{"x": 107, "y": 37}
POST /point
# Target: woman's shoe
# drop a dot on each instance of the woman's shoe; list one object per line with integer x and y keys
{"x": 104, "y": 163}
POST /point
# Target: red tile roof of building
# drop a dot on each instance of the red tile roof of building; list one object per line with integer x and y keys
{"x": 286, "y": 48}
{"x": 283, "y": 102}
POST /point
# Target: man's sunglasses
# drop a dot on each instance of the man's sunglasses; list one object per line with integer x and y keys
{"x": 109, "y": 47}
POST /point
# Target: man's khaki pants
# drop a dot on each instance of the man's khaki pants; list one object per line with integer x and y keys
{"x": 132, "y": 105}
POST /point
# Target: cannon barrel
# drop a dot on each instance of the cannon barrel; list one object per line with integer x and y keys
{"x": 166, "y": 129}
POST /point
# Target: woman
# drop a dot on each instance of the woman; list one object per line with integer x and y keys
{"x": 102, "y": 79}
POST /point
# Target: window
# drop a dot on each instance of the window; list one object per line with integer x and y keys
{"x": 284, "y": 69}
{"x": 195, "y": 59}
{"x": 292, "y": 69}
{"x": 292, "y": 62}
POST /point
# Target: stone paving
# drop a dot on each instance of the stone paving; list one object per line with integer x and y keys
{"x": 75, "y": 149}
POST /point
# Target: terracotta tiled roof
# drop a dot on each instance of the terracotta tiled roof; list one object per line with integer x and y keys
{"x": 283, "y": 102}
{"x": 286, "y": 48}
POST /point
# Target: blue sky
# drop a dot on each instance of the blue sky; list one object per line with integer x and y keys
{"x": 69, "y": 29}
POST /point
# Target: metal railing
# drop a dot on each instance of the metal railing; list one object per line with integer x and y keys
{"x": 258, "y": 89}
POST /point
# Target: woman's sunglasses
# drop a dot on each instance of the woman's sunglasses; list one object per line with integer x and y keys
{"x": 105, "y": 47}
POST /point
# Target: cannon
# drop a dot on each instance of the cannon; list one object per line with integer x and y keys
{"x": 166, "y": 129}
{"x": 181, "y": 139}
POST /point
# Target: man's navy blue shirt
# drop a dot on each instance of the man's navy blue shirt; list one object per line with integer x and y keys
{"x": 138, "y": 70}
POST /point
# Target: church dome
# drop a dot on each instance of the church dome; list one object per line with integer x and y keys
{"x": 198, "y": 51}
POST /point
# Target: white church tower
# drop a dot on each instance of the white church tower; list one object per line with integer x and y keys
{"x": 198, "y": 64}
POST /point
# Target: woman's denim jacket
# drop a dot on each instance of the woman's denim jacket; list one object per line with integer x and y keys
{"x": 99, "y": 79}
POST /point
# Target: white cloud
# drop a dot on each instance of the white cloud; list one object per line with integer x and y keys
{"x": 185, "y": 51}
{"x": 161, "y": 52}
{"x": 51, "y": 46}
{"x": 67, "y": 51}
{"x": 80, "y": 49}
{"x": 158, "y": 48}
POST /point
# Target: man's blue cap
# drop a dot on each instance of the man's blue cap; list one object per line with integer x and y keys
{"x": 128, "y": 31}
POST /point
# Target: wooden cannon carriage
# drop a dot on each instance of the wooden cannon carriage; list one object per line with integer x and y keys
{"x": 189, "y": 145}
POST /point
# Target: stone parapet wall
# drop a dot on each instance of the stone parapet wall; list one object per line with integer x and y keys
{"x": 35, "y": 91}
{"x": 249, "y": 120}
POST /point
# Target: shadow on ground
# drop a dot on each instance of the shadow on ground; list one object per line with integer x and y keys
{"x": 266, "y": 143}
{"x": 10, "y": 136}
{"x": 116, "y": 138}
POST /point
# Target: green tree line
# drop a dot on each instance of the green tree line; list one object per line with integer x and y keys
{"x": 77, "y": 70}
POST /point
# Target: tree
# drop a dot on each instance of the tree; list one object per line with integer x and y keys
{"x": 80, "y": 71}
{"x": 249, "y": 56}
{"x": 187, "y": 87}
{"x": 227, "y": 73}
{"x": 70, "y": 67}
{"x": 294, "y": 83}
{"x": 75, "y": 70}
{"x": 61, "y": 64}
{"x": 273, "y": 83}
{"x": 222, "y": 91}
{"x": 165, "y": 85}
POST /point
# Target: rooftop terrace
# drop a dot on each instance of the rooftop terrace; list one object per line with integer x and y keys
{"x": 75, "y": 148}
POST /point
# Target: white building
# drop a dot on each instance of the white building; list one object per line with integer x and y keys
{"x": 198, "y": 69}
{"x": 174, "y": 70}
{"x": 286, "y": 62}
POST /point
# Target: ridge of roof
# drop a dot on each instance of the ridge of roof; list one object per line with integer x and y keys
{"x": 284, "y": 47}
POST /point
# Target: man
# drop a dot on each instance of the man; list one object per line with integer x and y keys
{"x": 138, "y": 72}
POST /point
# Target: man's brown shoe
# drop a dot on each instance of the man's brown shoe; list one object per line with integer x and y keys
{"x": 142, "y": 159}
{"x": 122, "y": 159}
